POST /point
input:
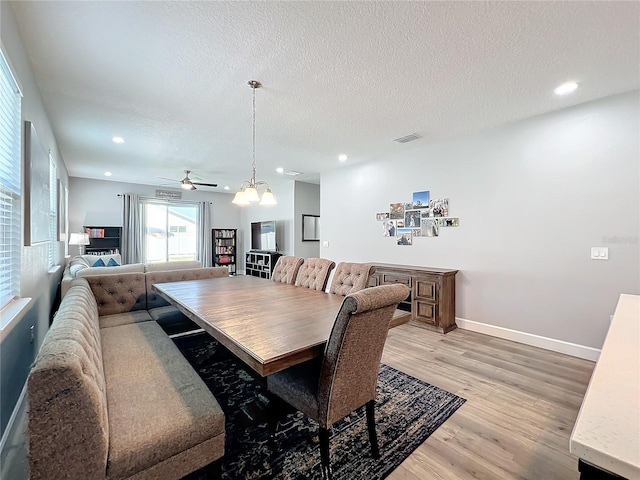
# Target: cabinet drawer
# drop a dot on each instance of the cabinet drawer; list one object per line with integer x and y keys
{"x": 395, "y": 278}
{"x": 426, "y": 289}
{"x": 425, "y": 312}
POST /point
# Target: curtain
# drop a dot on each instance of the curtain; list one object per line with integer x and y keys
{"x": 131, "y": 229}
{"x": 204, "y": 234}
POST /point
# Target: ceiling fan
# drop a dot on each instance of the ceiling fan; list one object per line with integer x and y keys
{"x": 188, "y": 184}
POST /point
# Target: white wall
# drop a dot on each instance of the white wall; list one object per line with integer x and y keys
{"x": 96, "y": 202}
{"x": 306, "y": 201}
{"x": 17, "y": 348}
{"x": 532, "y": 198}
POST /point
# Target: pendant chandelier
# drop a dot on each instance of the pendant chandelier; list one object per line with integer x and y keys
{"x": 248, "y": 192}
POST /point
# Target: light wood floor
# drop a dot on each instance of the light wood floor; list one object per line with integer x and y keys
{"x": 521, "y": 405}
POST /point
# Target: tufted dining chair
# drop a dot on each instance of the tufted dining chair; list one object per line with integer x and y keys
{"x": 344, "y": 379}
{"x": 350, "y": 277}
{"x": 314, "y": 273}
{"x": 286, "y": 269}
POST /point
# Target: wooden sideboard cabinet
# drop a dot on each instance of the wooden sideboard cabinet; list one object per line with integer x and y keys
{"x": 432, "y": 301}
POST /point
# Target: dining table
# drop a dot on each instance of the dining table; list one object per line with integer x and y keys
{"x": 268, "y": 325}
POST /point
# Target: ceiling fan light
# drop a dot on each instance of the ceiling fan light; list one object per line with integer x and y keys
{"x": 251, "y": 194}
{"x": 240, "y": 198}
{"x": 268, "y": 198}
{"x": 187, "y": 186}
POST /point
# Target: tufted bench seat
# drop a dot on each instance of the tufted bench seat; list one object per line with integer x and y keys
{"x": 118, "y": 402}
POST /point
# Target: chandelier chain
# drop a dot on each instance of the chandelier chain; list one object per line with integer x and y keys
{"x": 253, "y": 178}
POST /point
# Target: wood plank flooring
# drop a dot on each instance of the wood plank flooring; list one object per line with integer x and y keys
{"x": 521, "y": 405}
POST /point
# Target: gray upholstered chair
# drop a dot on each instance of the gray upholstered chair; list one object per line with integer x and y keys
{"x": 350, "y": 277}
{"x": 286, "y": 269}
{"x": 344, "y": 379}
{"x": 314, "y": 273}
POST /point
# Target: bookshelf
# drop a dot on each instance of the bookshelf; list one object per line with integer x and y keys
{"x": 103, "y": 240}
{"x": 224, "y": 248}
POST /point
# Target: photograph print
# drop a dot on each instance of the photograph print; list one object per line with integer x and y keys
{"x": 396, "y": 211}
{"x": 403, "y": 236}
{"x": 430, "y": 227}
{"x": 421, "y": 199}
{"x": 389, "y": 228}
{"x": 439, "y": 207}
{"x": 382, "y": 216}
{"x": 412, "y": 218}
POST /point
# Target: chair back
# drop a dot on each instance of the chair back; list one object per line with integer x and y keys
{"x": 351, "y": 362}
{"x": 351, "y": 277}
{"x": 314, "y": 273}
{"x": 286, "y": 269}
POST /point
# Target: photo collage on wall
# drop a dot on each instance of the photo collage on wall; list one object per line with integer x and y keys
{"x": 423, "y": 217}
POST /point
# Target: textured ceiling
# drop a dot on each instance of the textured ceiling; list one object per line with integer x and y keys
{"x": 339, "y": 77}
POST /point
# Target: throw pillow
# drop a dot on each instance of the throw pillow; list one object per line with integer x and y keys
{"x": 99, "y": 263}
{"x": 112, "y": 263}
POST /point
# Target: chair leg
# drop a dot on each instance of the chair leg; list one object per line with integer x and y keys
{"x": 371, "y": 423}
{"x": 324, "y": 453}
{"x": 213, "y": 471}
{"x": 273, "y": 410}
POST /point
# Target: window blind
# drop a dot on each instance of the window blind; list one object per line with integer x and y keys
{"x": 53, "y": 209}
{"x": 10, "y": 193}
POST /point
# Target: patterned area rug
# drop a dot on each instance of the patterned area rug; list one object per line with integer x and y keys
{"x": 408, "y": 410}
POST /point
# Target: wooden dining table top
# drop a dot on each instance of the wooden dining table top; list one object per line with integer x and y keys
{"x": 268, "y": 325}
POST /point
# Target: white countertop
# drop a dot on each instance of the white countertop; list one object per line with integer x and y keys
{"x": 607, "y": 430}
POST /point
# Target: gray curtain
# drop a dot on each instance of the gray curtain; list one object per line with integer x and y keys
{"x": 204, "y": 235}
{"x": 131, "y": 229}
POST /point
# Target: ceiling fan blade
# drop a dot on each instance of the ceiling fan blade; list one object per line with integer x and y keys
{"x": 170, "y": 179}
{"x": 205, "y": 184}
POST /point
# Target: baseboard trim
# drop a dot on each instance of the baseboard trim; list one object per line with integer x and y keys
{"x": 560, "y": 346}
{"x": 18, "y": 410}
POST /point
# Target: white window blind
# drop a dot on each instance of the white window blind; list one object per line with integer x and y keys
{"x": 53, "y": 209}
{"x": 10, "y": 119}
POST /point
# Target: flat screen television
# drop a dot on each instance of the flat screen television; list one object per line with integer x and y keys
{"x": 263, "y": 236}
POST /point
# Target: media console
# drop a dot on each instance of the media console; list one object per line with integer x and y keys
{"x": 260, "y": 264}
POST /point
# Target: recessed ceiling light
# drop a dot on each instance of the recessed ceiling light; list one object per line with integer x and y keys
{"x": 118, "y": 140}
{"x": 342, "y": 157}
{"x": 107, "y": 174}
{"x": 226, "y": 187}
{"x": 565, "y": 88}
{"x": 280, "y": 170}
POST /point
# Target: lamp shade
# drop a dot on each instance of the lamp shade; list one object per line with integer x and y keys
{"x": 79, "y": 239}
{"x": 268, "y": 198}
{"x": 251, "y": 194}
{"x": 240, "y": 198}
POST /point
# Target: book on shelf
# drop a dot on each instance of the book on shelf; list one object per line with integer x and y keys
{"x": 95, "y": 232}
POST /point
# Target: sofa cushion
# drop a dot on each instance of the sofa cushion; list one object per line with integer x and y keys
{"x": 107, "y": 321}
{"x": 112, "y": 263}
{"x": 93, "y": 271}
{"x": 92, "y": 259}
{"x": 121, "y": 293}
{"x": 156, "y": 411}
{"x": 164, "y": 266}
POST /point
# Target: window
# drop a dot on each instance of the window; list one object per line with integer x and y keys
{"x": 10, "y": 167}
{"x": 171, "y": 230}
{"x": 53, "y": 212}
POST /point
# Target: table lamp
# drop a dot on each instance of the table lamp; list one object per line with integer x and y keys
{"x": 79, "y": 239}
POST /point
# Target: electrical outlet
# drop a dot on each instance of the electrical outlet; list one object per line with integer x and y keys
{"x": 32, "y": 329}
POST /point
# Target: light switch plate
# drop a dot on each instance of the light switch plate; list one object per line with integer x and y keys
{"x": 600, "y": 253}
{"x": 325, "y": 243}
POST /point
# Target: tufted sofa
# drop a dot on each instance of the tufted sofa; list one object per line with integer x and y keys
{"x": 129, "y": 297}
{"x": 350, "y": 277}
{"x": 115, "y": 400}
{"x": 83, "y": 266}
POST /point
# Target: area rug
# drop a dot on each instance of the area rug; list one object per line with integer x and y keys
{"x": 408, "y": 410}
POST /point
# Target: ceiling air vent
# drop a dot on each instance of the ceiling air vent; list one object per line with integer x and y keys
{"x": 291, "y": 173}
{"x": 408, "y": 138}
